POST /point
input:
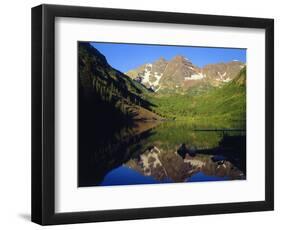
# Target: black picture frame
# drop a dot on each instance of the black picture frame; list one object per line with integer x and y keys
{"x": 43, "y": 110}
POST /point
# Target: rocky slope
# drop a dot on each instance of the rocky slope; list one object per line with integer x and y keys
{"x": 116, "y": 92}
{"x": 181, "y": 73}
{"x": 149, "y": 74}
{"x": 222, "y": 72}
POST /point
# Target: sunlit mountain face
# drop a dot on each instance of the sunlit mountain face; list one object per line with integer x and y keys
{"x": 181, "y": 73}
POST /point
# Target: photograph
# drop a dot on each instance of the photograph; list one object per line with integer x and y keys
{"x": 140, "y": 114}
{"x": 154, "y": 114}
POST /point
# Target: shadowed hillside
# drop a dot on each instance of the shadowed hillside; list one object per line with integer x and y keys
{"x": 110, "y": 104}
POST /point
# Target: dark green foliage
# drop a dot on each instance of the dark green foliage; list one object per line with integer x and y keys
{"x": 105, "y": 98}
{"x": 110, "y": 85}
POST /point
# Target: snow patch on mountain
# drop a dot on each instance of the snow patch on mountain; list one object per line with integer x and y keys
{"x": 145, "y": 76}
{"x": 158, "y": 77}
{"x": 222, "y": 77}
{"x": 197, "y": 76}
{"x": 226, "y": 80}
{"x": 149, "y": 65}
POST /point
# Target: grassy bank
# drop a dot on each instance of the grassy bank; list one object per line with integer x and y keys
{"x": 223, "y": 107}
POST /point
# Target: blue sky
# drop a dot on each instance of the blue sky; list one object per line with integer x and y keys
{"x": 125, "y": 57}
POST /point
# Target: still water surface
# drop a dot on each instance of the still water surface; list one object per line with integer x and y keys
{"x": 168, "y": 152}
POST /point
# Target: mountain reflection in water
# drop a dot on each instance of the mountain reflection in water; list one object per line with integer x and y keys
{"x": 151, "y": 153}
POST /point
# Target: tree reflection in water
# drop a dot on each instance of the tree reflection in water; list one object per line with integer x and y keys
{"x": 154, "y": 151}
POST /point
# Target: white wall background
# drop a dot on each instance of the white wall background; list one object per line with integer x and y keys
{"x": 15, "y": 113}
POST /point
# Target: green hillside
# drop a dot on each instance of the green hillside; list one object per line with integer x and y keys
{"x": 225, "y": 105}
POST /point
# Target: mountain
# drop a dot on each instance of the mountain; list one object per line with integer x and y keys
{"x": 114, "y": 92}
{"x": 240, "y": 79}
{"x": 222, "y": 72}
{"x": 149, "y": 74}
{"x": 224, "y": 106}
{"x": 181, "y": 73}
{"x": 94, "y": 71}
{"x": 178, "y": 72}
{"x": 166, "y": 165}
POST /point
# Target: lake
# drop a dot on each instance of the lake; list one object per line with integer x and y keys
{"x": 163, "y": 152}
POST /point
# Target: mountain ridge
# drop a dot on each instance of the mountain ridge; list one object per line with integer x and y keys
{"x": 180, "y": 72}
{"x": 112, "y": 90}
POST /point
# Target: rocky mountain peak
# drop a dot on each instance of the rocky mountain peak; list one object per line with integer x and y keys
{"x": 179, "y": 58}
{"x": 222, "y": 72}
{"x": 160, "y": 62}
{"x": 161, "y": 59}
{"x": 180, "y": 72}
